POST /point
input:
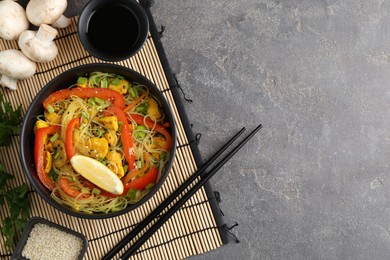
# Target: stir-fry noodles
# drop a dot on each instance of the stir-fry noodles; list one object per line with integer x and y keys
{"x": 118, "y": 124}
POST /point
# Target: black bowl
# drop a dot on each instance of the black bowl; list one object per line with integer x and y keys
{"x": 64, "y": 80}
{"x": 113, "y": 30}
{"x": 17, "y": 255}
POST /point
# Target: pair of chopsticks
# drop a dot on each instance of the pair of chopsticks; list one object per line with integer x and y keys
{"x": 174, "y": 208}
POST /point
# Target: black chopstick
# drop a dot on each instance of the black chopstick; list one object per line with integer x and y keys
{"x": 138, "y": 243}
{"x": 135, "y": 231}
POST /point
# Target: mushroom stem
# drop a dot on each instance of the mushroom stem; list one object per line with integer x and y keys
{"x": 61, "y": 22}
{"x": 46, "y": 33}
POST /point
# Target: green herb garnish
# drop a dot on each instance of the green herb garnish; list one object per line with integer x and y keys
{"x": 99, "y": 101}
{"x": 96, "y": 191}
{"x": 53, "y": 175}
{"x": 10, "y": 121}
{"x": 18, "y": 205}
{"x": 104, "y": 83}
{"x": 116, "y": 81}
{"x": 125, "y": 168}
{"x": 85, "y": 115}
{"x": 140, "y": 132}
{"x": 82, "y": 80}
{"x": 133, "y": 92}
{"x": 142, "y": 108}
{"x": 50, "y": 109}
{"x": 91, "y": 102}
{"x": 54, "y": 137}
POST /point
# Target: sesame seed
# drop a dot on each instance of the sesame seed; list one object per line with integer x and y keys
{"x": 46, "y": 242}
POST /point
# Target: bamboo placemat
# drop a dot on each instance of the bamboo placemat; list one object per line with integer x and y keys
{"x": 192, "y": 230}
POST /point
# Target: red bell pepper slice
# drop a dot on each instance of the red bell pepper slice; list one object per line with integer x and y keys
{"x": 140, "y": 120}
{"x": 39, "y": 154}
{"x": 135, "y": 172}
{"x": 141, "y": 182}
{"x": 66, "y": 186}
{"x": 138, "y": 184}
{"x": 126, "y": 137}
{"x": 74, "y": 123}
{"x": 102, "y": 93}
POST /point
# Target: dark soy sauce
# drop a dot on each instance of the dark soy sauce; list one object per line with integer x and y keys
{"x": 113, "y": 28}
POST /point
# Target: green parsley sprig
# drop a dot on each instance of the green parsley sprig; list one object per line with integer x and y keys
{"x": 18, "y": 205}
{"x": 10, "y": 121}
{"x": 15, "y": 198}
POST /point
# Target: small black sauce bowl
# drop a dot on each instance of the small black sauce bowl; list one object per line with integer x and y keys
{"x": 138, "y": 14}
{"x": 17, "y": 255}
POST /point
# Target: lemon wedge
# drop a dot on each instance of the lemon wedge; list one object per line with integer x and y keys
{"x": 97, "y": 173}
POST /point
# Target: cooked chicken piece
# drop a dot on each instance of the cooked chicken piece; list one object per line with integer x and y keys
{"x": 110, "y": 122}
{"x": 114, "y": 163}
{"x": 121, "y": 87}
{"x": 93, "y": 147}
{"x": 111, "y": 137}
{"x": 153, "y": 109}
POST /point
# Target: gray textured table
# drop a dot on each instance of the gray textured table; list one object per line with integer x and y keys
{"x": 313, "y": 184}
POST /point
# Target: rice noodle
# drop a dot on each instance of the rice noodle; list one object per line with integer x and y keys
{"x": 90, "y": 112}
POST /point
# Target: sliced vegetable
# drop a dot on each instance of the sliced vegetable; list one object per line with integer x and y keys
{"x": 102, "y": 93}
{"x": 136, "y": 172}
{"x": 126, "y": 136}
{"x": 140, "y": 120}
{"x": 69, "y": 147}
{"x": 139, "y": 183}
{"x": 60, "y": 157}
{"x": 96, "y": 191}
{"x": 135, "y": 102}
{"x": 48, "y": 162}
{"x": 142, "y": 108}
{"x": 140, "y": 132}
{"x": 115, "y": 81}
{"x": 82, "y": 82}
{"x": 66, "y": 186}
{"x": 41, "y": 138}
{"x": 50, "y": 109}
{"x": 104, "y": 83}
{"x": 54, "y": 137}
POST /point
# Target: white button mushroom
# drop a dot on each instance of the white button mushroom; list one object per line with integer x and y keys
{"x": 48, "y": 12}
{"x": 39, "y": 45}
{"x": 15, "y": 65}
{"x": 13, "y": 20}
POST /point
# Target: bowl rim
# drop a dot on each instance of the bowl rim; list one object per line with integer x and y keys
{"x": 139, "y": 14}
{"x": 36, "y": 105}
